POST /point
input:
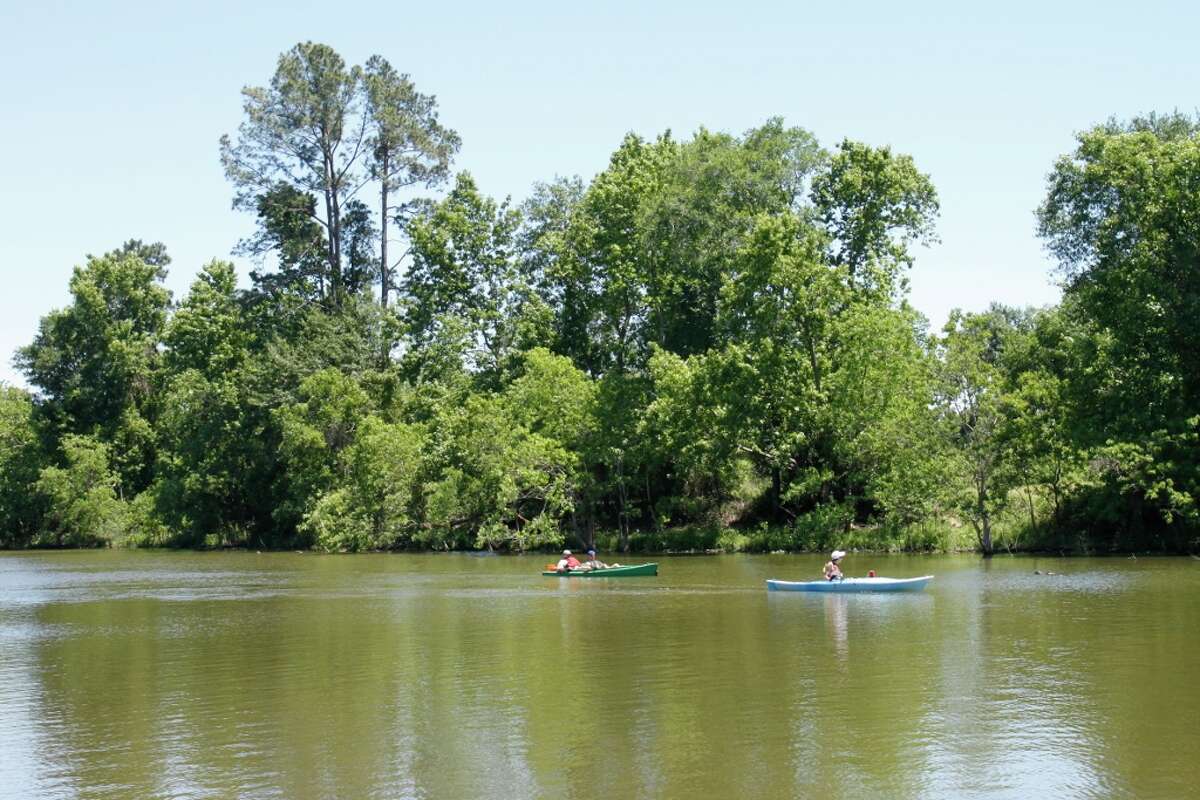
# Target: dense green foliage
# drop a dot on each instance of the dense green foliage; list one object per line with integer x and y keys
{"x": 707, "y": 345}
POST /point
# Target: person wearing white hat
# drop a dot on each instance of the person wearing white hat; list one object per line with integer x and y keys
{"x": 833, "y": 572}
{"x": 567, "y": 562}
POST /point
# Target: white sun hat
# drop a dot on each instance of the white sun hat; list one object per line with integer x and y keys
{"x": 836, "y": 554}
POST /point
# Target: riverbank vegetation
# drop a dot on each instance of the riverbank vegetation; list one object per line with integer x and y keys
{"x": 706, "y": 346}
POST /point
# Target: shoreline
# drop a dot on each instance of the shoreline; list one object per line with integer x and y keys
{"x": 1042, "y": 553}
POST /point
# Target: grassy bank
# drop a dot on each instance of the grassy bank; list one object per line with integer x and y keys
{"x": 938, "y": 536}
{"x": 1012, "y": 531}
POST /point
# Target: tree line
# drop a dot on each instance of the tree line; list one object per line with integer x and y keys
{"x": 708, "y": 345}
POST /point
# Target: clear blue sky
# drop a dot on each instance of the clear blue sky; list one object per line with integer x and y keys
{"x": 112, "y": 111}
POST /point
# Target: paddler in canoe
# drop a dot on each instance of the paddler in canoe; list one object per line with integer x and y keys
{"x": 595, "y": 563}
{"x": 567, "y": 563}
{"x": 833, "y": 572}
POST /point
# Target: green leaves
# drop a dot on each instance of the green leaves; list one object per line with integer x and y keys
{"x": 20, "y": 462}
{"x": 713, "y": 330}
{"x": 874, "y": 204}
{"x": 1120, "y": 216}
{"x": 311, "y": 141}
{"x": 971, "y": 398}
{"x": 82, "y": 504}
{"x": 465, "y": 268}
{"x": 372, "y": 509}
{"x": 497, "y": 479}
{"x": 207, "y": 332}
{"x": 407, "y": 144}
{"x": 97, "y": 361}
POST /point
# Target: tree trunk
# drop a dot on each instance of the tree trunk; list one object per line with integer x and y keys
{"x": 338, "y": 281}
{"x": 384, "y": 278}
{"x": 650, "y": 503}
{"x": 624, "y": 519}
{"x": 622, "y": 512}
{"x": 1054, "y": 488}
{"x": 333, "y": 214}
{"x": 985, "y": 522}
{"x": 591, "y": 521}
{"x": 776, "y": 490}
{"x": 330, "y": 253}
{"x": 1032, "y": 517}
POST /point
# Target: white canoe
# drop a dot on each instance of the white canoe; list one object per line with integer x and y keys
{"x": 853, "y": 585}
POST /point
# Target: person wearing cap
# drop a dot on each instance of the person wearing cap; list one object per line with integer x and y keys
{"x": 593, "y": 562}
{"x": 567, "y": 562}
{"x": 833, "y": 572}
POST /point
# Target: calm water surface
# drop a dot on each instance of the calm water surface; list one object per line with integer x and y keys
{"x": 223, "y": 675}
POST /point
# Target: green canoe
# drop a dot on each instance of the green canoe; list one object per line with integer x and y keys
{"x": 611, "y": 572}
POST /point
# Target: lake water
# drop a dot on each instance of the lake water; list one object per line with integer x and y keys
{"x": 240, "y": 675}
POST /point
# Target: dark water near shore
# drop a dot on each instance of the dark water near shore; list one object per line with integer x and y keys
{"x": 222, "y": 675}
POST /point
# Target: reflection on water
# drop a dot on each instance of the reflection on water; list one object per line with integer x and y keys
{"x": 835, "y": 623}
{"x": 146, "y": 675}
